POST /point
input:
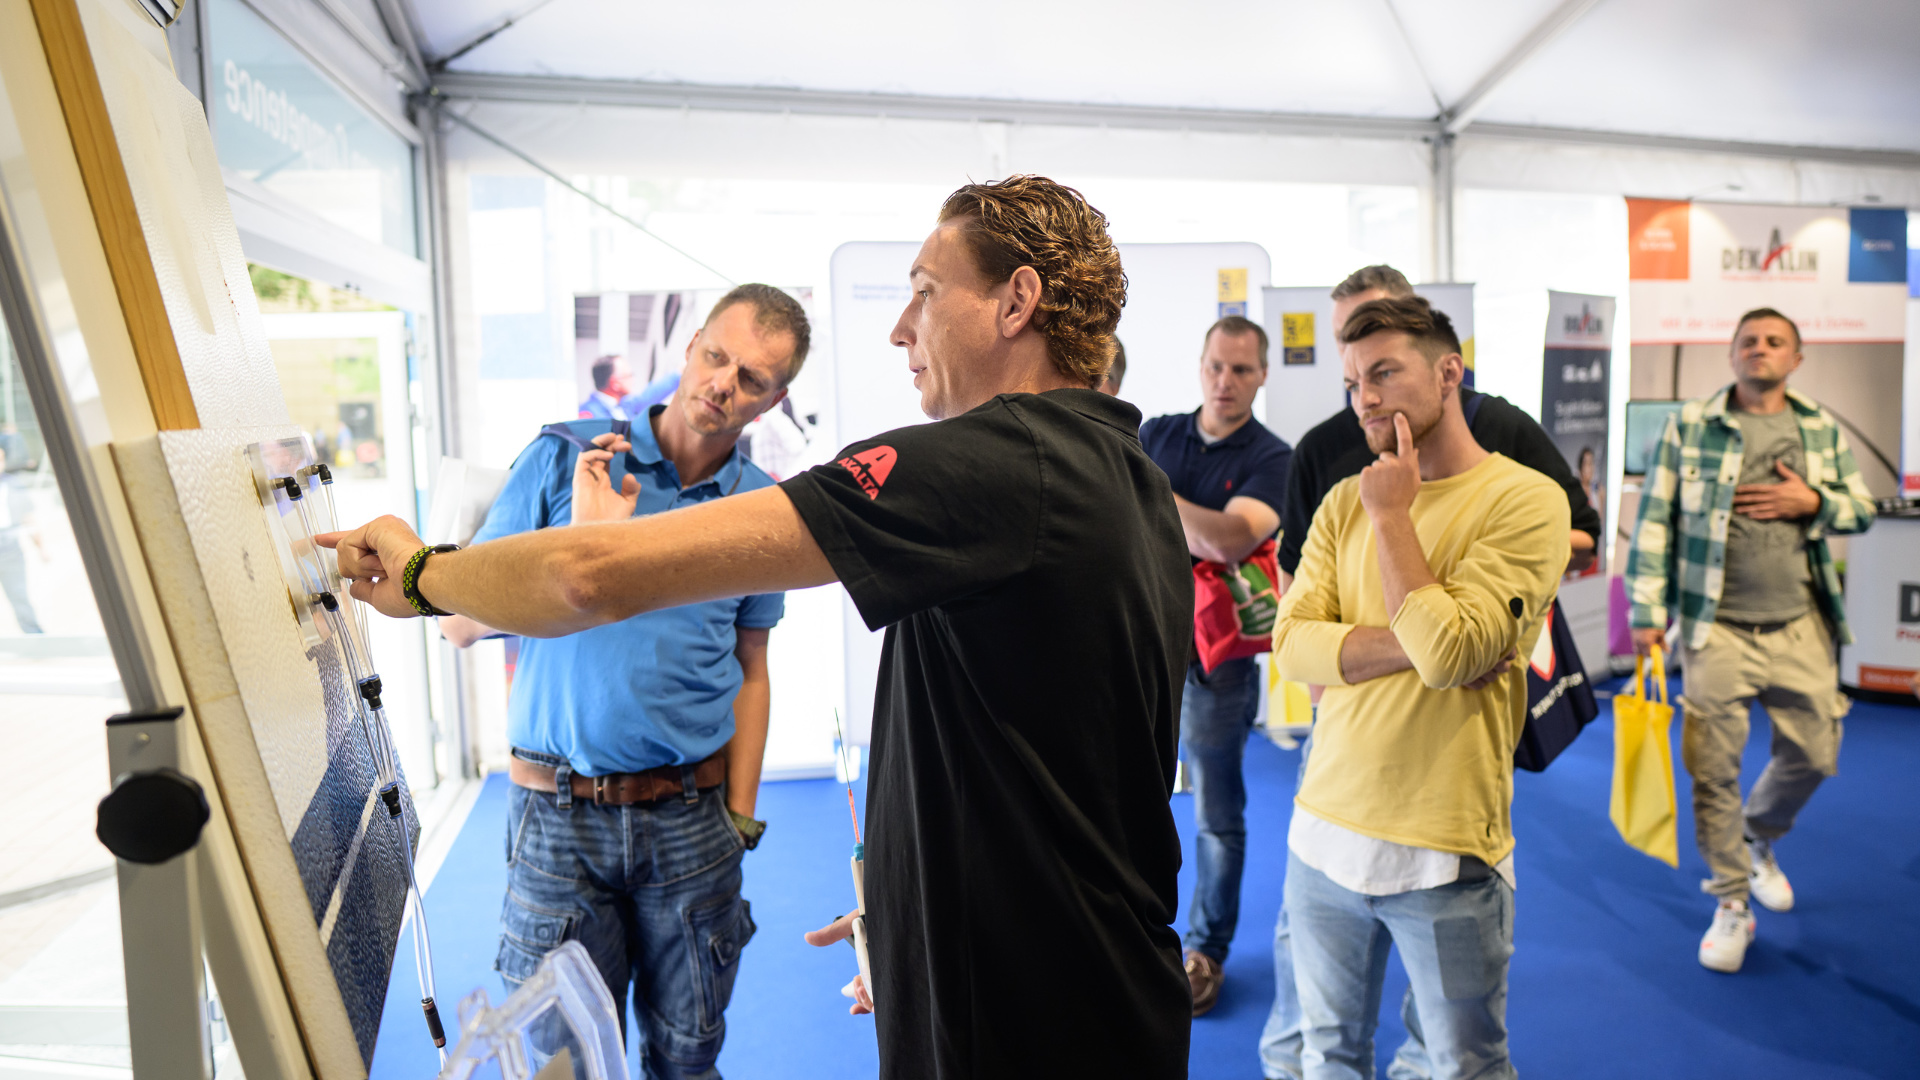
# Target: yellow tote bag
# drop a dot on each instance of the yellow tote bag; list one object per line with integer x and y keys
{"x": 1643, "y": 789}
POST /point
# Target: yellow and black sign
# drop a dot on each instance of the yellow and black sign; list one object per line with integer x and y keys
{"x": 1233, "y": 292}
{"x": 1296, "y": 337}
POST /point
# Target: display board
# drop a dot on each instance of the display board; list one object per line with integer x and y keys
{"x": 1694, "y": 267}
{"x": 1174, "y": 293}
{"x": 1885, "y": 619}
{"x": 301, "y": 884}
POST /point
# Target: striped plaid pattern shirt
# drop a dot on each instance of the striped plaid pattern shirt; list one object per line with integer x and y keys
{"x": 1676, "y": 563}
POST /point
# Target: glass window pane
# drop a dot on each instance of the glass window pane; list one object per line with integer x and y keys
{"x": 342, "y": 362}
{"x": 62, "y": 984}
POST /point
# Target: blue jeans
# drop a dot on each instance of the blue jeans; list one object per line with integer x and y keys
{"x": 1280, "y": 1039}
{"x": 1455, "y": 941}
{"x": 1216, "y": 714}
{"x": 653, "y": 892}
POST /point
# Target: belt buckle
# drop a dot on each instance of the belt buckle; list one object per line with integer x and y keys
{"x": 599, "y": 791}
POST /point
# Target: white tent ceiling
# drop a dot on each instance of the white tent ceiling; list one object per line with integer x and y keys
{"x": 1783, "y": 72}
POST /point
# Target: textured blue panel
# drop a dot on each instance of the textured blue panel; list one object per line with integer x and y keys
{"x": 366, "y": 868}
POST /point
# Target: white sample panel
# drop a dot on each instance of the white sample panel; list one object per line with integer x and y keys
{"x": 1172, "y": 298}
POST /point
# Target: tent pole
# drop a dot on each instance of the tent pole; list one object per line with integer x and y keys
{"x": 1440, "y": 194}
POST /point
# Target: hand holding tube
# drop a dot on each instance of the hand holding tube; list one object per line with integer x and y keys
{"x": 841, "y": 929}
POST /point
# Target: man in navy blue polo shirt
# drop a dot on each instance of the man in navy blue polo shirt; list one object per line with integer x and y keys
{"x": 1229, "y": 476}
{"x": 637, "y": 744}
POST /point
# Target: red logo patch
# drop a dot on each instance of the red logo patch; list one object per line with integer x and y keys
{"x": 870, "y": 469}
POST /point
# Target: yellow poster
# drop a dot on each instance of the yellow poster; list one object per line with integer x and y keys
{"x": 1296, "y": 337}
{"x": 1233, "y": 286}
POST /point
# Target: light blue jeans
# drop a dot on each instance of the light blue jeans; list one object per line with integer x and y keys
{"x": 1216, "y": 715}
{"x": 1455, "y": 941}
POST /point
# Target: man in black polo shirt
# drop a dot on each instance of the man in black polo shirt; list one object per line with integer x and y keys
{"x": 1025, "y": 557}
{"x": 1229, "y": 474}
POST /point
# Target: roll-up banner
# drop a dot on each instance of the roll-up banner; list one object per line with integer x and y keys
{"x": 1573, "y": 391}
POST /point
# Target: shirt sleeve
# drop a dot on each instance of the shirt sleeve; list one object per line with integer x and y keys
{"x": 1647, "y": 575}
{"x": 761, "y": 612}
{"x": 926, "y": 515}
{"x": 1846, "y": 506}
{"x": 524, "y": 503}
{"x": 1296, "y": 509}
{"x": 1523, "y": 439}
{"x": 1309, "y": 632}
{"x": 1457, "y": 630}
{"x": 1266, "y": 477}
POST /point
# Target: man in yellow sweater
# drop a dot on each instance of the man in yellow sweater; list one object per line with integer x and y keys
{"x": 1421, "y": 580}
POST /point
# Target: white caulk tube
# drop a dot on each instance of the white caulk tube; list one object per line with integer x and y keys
{"x": 860, "y": 920}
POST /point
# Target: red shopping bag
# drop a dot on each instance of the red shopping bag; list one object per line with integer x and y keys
{"x": 1234, "y": 606}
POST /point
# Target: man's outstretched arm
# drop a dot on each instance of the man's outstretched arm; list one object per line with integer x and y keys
{"x": 558, "y": 581}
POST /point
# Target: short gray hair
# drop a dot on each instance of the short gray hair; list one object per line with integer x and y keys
{"x": 774, "y": 312}
{"x": 1368, "y": 278}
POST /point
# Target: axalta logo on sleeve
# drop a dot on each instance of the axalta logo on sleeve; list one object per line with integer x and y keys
{"x": 870, "y": 468}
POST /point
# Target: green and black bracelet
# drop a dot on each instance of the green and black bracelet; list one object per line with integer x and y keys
{"x": 410, "y": 578}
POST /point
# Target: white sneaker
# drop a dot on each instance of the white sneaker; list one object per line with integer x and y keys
{"x": 1767, "y": 883}
{"x": 1725, "y": 946}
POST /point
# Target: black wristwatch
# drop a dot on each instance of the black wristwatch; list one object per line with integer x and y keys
{"x": 750, "y": 830}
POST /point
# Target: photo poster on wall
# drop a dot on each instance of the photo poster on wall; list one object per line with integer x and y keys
{"x": 1574, "y": 385}
{"x": 622, "y": 359}
{"x": 1304, "y": 382}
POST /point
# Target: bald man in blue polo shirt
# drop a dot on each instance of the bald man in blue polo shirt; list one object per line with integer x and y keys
{"x": 1229, "y": 476}
{"x": 637, "y": 745}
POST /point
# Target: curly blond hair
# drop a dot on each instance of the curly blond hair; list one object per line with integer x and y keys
{"x": 1032, "y": 221}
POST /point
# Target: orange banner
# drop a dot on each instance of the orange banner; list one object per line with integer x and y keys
{"x": 1657, "y": 239}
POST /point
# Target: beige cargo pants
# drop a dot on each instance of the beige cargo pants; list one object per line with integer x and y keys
{"x": 1793, "y": 673}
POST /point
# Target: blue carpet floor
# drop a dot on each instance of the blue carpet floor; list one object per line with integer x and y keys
{"x": 1603, "y": 984}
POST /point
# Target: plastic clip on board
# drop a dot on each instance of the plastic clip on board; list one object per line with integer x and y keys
{"x": 331, "y": 605}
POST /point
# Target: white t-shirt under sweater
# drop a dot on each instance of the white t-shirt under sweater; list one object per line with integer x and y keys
{"x": 1373, "y": 867}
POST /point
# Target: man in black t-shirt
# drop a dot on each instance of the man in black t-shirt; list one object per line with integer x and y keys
{"x": 1026, "y": 558}
{"x": 1228, "y": 474}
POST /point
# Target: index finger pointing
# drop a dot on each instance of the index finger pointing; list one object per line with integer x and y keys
{"x": 1403, "y": 432}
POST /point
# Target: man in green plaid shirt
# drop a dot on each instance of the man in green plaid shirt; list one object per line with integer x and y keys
{"x": 1732, "y": 539}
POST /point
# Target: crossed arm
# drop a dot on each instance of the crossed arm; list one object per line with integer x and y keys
{"x": 1227, "y": 535}
{"x": 1370, "y": 652}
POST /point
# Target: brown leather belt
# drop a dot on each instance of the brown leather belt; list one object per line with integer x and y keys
{"x": 622, "y": 789}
